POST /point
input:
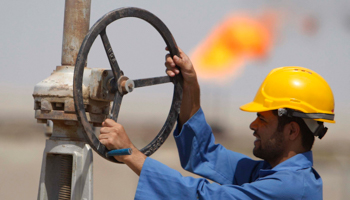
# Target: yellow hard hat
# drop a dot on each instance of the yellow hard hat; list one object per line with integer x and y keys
{"x": 295, "y": 88}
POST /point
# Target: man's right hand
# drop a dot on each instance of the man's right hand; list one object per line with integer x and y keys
{"x": 185, "y": 65}
{"x": 190, "y": 95}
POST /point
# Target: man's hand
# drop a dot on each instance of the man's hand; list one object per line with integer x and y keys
{"x": 191, "y": 92}
{"x": 113, "y": 136}
{"x": 185, "y": 65}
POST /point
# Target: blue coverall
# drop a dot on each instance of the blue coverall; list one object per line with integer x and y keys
{"x": 235, "y": 175}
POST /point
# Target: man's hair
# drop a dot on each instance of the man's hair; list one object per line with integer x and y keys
{"x": 307, "y": 137}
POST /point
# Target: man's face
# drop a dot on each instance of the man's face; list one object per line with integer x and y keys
{"x": 269, "y": 143}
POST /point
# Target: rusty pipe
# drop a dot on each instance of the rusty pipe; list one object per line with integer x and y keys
{"x": 76, "y": 25}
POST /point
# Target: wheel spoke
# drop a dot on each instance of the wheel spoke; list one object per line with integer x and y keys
{"x": 116, "y": 106}
{"x": 152, "y": 81}
{"x": 111, "y": 57}
{"x": 126, "y": 85}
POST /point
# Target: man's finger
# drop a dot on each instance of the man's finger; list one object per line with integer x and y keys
{"x": 104, "y": 142}
{"x": 178, "y": 61}
{"x": 171, "y": 66}
{"x": 169, "y": 61}
{"x": 170, "y": 73}
{"x": 102, "y": 136}
{"x": 109, "y": 123}
{"x": 104, "y": 130}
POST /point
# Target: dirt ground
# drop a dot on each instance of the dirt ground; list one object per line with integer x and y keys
{"x": 22, "y": 144}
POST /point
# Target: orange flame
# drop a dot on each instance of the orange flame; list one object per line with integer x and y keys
{"x": 236, "y": 40}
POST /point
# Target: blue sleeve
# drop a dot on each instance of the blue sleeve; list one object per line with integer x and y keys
{"x": 157, "y": 181}
{"x": 199, "y": 154}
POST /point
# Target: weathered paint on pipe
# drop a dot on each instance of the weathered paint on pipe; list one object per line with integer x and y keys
{"x": 76, "y": 25}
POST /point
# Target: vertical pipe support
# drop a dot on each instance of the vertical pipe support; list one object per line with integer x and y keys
{"x": 76, "y": 26}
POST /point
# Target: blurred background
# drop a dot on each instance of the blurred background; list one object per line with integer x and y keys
{"x": 233, "y": 45}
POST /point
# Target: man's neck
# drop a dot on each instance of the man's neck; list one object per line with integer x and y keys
{"x": 283, "y": 158}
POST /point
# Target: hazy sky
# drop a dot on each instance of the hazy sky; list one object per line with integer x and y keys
{"x": 31, "y": 40}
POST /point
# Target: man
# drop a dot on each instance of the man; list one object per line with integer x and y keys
{"x": 291, "y": 104}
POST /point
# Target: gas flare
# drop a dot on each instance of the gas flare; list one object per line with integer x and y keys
{"x": 238, "y": 39}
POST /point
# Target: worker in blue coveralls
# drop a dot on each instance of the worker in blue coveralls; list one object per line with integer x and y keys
{"x": 291, "y": 105}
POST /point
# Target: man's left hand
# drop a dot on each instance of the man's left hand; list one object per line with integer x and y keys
{"x": 113, "y": 136}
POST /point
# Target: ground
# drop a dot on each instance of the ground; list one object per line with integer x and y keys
{"x": 22, "y": 144}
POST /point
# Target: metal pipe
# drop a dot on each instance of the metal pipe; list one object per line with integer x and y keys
{"x": 76, "y": 25}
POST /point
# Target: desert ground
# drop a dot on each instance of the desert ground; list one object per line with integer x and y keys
{"x": 23, "y": 140}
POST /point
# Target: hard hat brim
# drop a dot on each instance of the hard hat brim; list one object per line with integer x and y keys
{"x": 256, "y": 107}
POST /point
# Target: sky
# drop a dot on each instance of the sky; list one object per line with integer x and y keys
{"x": 31, "y": 42}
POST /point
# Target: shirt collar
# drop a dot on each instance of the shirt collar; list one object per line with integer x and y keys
{"x": 297, "y": 162}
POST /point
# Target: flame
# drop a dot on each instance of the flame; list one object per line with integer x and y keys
{"x": 236, "y": 40}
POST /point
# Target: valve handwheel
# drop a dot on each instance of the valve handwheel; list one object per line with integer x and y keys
{"x": 122, "y": 84}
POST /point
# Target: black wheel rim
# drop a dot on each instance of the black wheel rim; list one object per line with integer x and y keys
{"x": 99, "y": 29}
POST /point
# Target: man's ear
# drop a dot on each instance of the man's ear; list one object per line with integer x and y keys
{"x": 294, "y": 130}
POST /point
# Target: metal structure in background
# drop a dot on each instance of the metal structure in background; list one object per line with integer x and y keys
{"x": 66, "y": 171}
{"x": 75, "y": 108}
